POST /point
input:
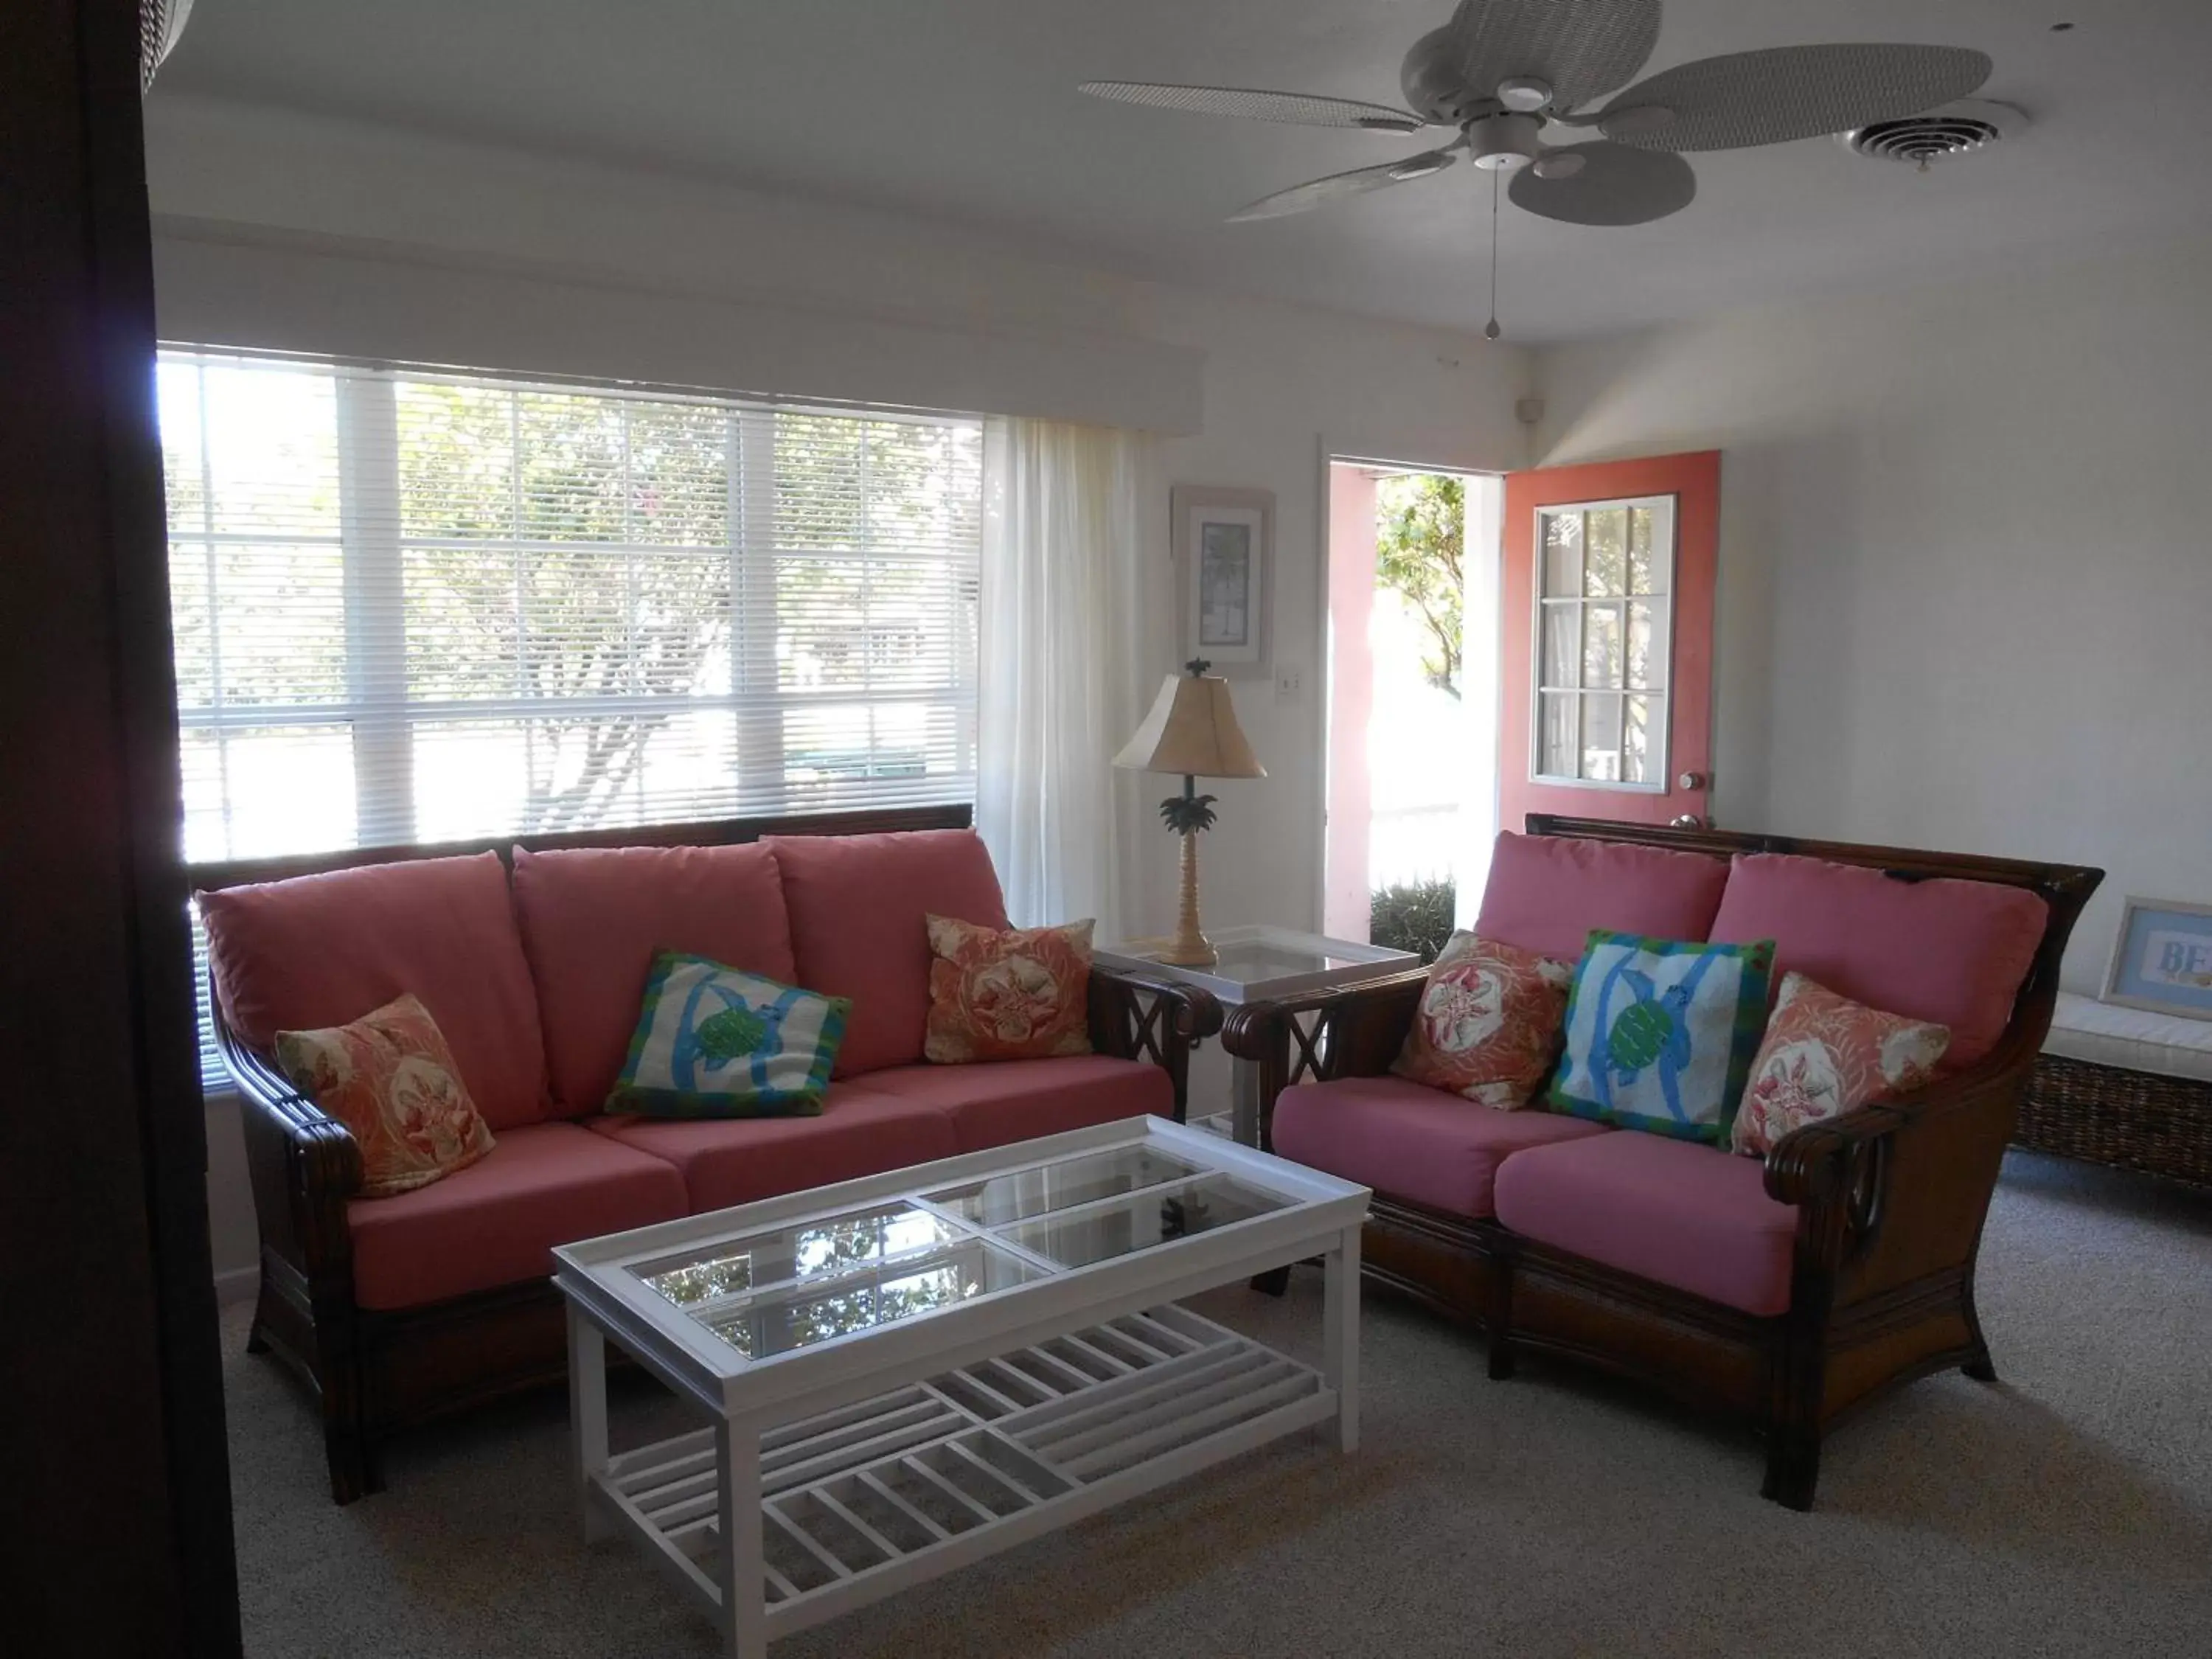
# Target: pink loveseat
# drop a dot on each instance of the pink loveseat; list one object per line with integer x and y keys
{"x": 404, "y": 1306}
{"x": 1788, "y": 1287}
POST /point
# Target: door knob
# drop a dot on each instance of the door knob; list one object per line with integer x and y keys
{"x": 1688, "y": 821}
{"x": 1691, "y": 781}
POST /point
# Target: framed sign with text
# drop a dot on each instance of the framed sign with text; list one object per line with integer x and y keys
{"x": 2163, "y": 958}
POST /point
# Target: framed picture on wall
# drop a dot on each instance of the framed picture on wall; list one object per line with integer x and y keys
{"x": 1225, "y": 556}
{"x": 2162, "y": 959}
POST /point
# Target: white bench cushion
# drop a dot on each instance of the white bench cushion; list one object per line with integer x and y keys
{"x": 2133, "y": 1039}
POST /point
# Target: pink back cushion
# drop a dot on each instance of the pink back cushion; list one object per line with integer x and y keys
{"x": 1547, "y": 892}
{"x": 857, "y": 905}
{"x": 316, "y": 951}
{"x": 1951, "y": 952}
{"x": 591, "y": 919}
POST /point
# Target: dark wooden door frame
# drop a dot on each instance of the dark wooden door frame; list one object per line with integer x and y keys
{"x": 114, "y": 1464}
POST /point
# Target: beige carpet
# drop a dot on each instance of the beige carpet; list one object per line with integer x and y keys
{"x": 2066, "y": 1510}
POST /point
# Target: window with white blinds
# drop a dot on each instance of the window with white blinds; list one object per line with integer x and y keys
{"x": 414, "y": 606}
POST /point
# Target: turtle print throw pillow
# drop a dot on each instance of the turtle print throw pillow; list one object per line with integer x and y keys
{"x": 1007, "y": 993}
{"x": 1661, "y": 1035}
{"x": 715, "y": 1042}
{"x": 1488, "y": 1024}
{"x": 1823, "y": 1055}
{"x": 390, "y": 1079}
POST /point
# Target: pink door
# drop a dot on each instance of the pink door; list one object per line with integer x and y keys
{"x": 1605, "y": 707}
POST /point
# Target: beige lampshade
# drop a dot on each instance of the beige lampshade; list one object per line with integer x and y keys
{"x": 1192, "y": 730}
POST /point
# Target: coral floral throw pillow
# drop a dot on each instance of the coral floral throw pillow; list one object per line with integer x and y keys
{"x": 1488, "y": 1024}
{"x": 1823, "y": 1055}
{"x": 1012, "y": 993}
{"x": 390, "y": 1078}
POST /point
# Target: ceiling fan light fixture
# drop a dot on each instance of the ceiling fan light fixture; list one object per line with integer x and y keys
{"x": 1501, "y": 143}
{"x": 1562, "y": 164}
{"x": 1525, "y": 92}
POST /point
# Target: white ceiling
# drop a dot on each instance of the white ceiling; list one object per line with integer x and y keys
{"x": 966, "y": 110}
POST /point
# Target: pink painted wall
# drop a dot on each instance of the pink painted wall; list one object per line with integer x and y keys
{"x": 1351, "y": 680}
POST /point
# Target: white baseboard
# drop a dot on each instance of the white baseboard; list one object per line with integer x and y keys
{"x": 239, "y": 1285}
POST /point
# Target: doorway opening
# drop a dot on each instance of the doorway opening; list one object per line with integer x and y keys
{"x": 1413, "y": 687}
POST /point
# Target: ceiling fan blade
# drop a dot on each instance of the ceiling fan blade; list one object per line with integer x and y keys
{"x": 1614, "y": 185}
{"x": 1292, "y": 108}
{"x": 1782, "y": 93}
{"x": 1583, "y": 48}
{"x": 1316, "y": 192}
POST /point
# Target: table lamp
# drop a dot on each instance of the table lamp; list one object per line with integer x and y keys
{"x": 1192, "y": 730}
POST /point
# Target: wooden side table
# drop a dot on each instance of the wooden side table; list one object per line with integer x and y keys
{"x": 1265, "y": 964}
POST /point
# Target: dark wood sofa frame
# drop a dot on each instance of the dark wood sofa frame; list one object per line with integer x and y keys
{"x": 1891, "y": 1202}
{"x": 375, "y": 1371}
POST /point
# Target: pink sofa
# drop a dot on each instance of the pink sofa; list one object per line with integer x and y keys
{"x": 1788, "y": 1288}
{"x": 401, "y": 1307}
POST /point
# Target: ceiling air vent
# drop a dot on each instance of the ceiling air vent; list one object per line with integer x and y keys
{"x": 1954, "y": 130}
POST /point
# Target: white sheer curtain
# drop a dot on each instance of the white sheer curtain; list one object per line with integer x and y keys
{"x": 1058, "y": 684}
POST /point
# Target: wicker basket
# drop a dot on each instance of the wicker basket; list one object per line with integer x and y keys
{"x": 2162, "y": 1126}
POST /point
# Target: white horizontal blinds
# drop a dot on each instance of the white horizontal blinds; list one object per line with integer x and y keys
{"x": 874, "y": 528}
{"x": 258, "y": 596}
{"x": 415, "y": 607}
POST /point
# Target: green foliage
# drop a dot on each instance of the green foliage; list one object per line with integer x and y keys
{"x": 1416, "y": 916}
{"x": 1419, "y": 544}
{"x": 1187, "y": 812}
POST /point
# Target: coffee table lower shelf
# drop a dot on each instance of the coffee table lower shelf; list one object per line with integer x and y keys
{"x": 866, "y": 1500}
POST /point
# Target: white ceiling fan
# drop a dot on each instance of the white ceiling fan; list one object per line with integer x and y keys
{"x": 1511, "y": 74}
{"x": 160, "y": 23}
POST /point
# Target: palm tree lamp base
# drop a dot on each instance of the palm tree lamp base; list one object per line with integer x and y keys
{"x": 1190, "y": 948}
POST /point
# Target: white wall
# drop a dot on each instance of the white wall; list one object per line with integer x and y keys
{"x": 1966, "y": 559}
{"x": 286, "y": 231}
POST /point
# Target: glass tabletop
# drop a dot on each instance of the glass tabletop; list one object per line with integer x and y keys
{"x": 1142, "y": 1222}
{"x": 777, "y": 1290}
{"x": 1020, "y": 1194}
{"x": 1250, "y": 961}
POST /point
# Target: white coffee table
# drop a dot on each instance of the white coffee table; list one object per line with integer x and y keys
{"x": 907, "y": 1373}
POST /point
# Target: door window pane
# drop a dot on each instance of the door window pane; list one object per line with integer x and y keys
{"x": 1602, "y": 740}
{"x": 1636, "y": 742}
{"x": 1604, "y": 639}
{"x": 1646, "y": 666}
{"x": 1647, "y": 572}
{"x": 1602, "y": 647}
{"x": 1561, "y": 730}
{"x": 1563, "y": 651}
{"x": 1605, "y": 568}
{"x": 1562, "y": 553}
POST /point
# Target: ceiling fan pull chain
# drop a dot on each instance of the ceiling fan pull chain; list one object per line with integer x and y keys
{"x": 1490, "y": 331}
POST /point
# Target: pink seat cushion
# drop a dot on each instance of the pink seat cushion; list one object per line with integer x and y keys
{"x": 857, "y": 904}
{"x": 1010, "y": 1100}
{"x": 1547, "y": 892}
{"x": 497, "y": 1221}
{"x": 1952, "y": 952}
{"x": 591, "y": 920}
{"x": 321, "y": 950}
{"x": 1411, "y": 1141}
{"x": 725, "y": 1161}
{"x": 1692, "y": 1217}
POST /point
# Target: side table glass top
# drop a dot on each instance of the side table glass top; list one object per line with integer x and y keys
{"x": 778, "y": 1290}
{"x": 1252, "y": 964}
